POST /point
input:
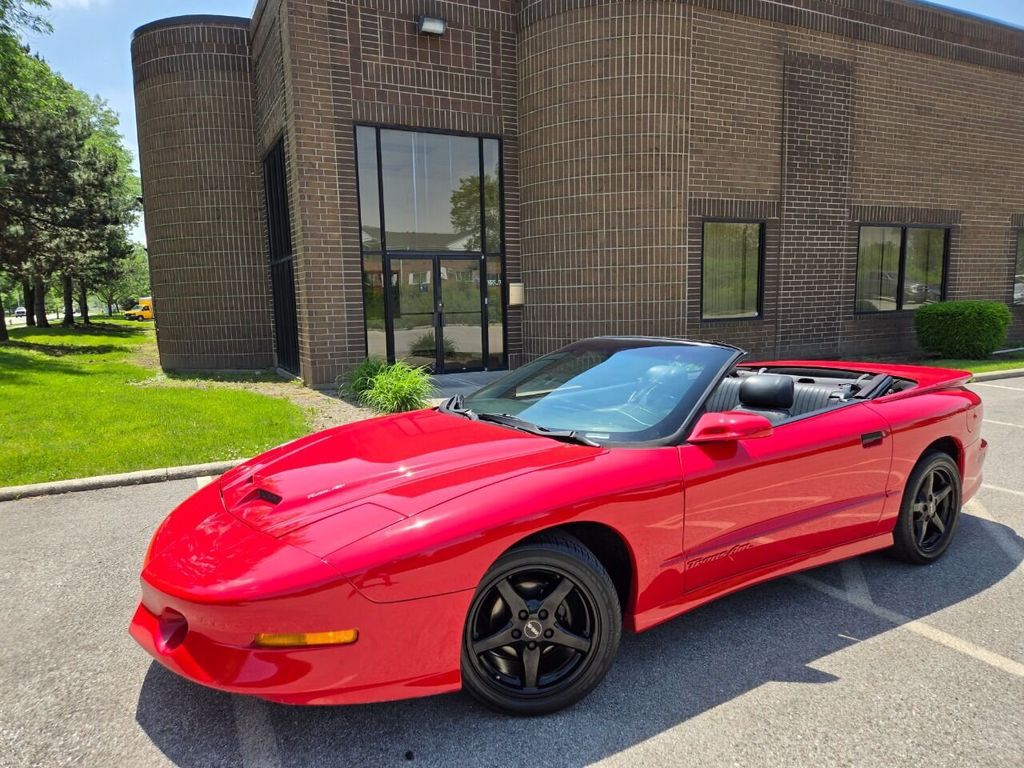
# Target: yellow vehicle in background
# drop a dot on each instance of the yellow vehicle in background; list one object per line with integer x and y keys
{"x": 141, "y": 311}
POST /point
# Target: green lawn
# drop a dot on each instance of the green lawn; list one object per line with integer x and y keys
{"x": 73, "y": 403}
{"x": 997, "y": 363}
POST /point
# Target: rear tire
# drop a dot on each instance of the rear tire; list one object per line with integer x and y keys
{"x": 930, "y": 510}
{"x": 543, "y": 628}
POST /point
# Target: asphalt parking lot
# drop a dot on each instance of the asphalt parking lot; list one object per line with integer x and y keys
{"x": 867, "y": 663}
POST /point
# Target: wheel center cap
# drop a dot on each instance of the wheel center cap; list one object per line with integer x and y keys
{"x": 533, "y": 629}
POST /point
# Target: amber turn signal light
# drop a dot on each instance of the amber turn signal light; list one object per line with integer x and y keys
{"x": 299, "y": 639}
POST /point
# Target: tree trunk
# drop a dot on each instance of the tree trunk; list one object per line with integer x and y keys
{"x": 3, "y": 325}
{"x": 110, "y": 309}
{"x": 30, "y": 302}
{"x": 39, "y": 297}
{"x": 69, "y": 301}
{"x": 83, "y": 302}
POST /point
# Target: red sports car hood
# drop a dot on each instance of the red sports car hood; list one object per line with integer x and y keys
{"x": 406, "y": 463}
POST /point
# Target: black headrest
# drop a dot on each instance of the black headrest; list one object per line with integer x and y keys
{"x": 767, "y": 390}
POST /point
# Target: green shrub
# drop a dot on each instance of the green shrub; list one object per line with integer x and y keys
{"x": 360, "y": 377}
{"x": 968, "y": 330}
{"x": 398, "y": 388}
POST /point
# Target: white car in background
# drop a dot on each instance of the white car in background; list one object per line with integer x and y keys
{"x": 19, "y": 312}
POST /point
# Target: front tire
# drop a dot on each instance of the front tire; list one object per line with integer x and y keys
{"x": 930, "y": 510}
{"x": 543, "y": 628}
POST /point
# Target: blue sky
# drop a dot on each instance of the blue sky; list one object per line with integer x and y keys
{"x": 91, "y": 38}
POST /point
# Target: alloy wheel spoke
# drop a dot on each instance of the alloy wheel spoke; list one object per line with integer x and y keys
{"x": 558, "y": 595}
{"x": 922, "y": 529}
{"x": 497, "y": 640}
{"x": 943, "y": 493}
{"x": 569, "y": 639}
{"x": 929, "y": 487}
{"x": 937, "y": 522}
{"x": 512, "y": 599}
{"x": 531, "y": 663}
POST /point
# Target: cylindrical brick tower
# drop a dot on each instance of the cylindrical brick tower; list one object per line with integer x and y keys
{"x": 203, "y": 193}
{"x": 603, "y": 158}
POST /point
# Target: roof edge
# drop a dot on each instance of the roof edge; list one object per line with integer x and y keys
{"x": 192, "y": 20}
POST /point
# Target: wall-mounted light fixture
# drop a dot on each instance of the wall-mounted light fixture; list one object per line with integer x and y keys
{"x": 431, "y": 25}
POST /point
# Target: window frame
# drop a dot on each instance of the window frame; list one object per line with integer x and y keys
{"x": 485, "y": 253}
{"x": 762, "y": 236}
{"x": 902, "y": 272}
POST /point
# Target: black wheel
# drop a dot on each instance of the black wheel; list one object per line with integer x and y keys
{"x": 543, "y": 628}
{"x": 930, "y": 510}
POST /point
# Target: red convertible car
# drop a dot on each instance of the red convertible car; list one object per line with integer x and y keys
{"x": 500, "y": 543}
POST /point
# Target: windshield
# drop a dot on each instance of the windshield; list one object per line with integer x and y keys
{"x": 609, "y": 390}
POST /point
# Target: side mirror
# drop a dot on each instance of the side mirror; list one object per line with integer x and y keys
{"x": 730, "y": 426}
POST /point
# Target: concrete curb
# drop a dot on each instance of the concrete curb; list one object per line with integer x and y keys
{"x": 1012, "y": 373}
{"x": 146, "y": 476}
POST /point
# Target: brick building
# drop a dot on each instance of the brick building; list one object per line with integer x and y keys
{"x": 330, "y": 179}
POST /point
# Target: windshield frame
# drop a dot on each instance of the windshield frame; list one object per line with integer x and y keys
{"x": 678, "y": 434}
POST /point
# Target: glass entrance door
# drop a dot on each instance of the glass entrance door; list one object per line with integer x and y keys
{"x": 461, "y": 305}
{"x": 437, "y": 312}
{"x": 413, "y": 311}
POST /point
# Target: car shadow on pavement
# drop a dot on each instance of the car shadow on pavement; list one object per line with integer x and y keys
{"x": 664, "y": 677}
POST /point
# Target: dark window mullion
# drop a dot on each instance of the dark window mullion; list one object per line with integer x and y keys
{"x": 901, "y": 276}
{"x": 484, "y": 242}
{"x": 385, "y": 266}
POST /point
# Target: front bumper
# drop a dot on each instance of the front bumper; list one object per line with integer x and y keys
{"x": 404, "y": 650}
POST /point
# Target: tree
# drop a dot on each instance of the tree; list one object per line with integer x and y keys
{"x": 67, "y": 189}
{"x": 17, "y": 16}
{"x": 118, "y": 280}
{"x": 68, "y": 194}
{"x": 41, "y": 178}
{"x": 465, "y": 211}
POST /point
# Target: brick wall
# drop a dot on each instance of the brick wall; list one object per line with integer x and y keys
{"x": 202, "y": 194}
{"x": 321, "y": 68}
{"x": 626, "y": 125}
{"x": 812, "y": 117}
{"x": 603, "y": 131}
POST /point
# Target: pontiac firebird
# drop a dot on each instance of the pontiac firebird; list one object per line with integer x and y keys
{"x": 501, "y": 543}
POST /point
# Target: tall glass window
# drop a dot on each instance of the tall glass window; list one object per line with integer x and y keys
{"x": 433, "y": 247}
{"x": 900, "y": 267}
{"x": 732, "y": 270}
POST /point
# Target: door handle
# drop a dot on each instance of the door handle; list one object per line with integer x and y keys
{"x": 872, "y": 438}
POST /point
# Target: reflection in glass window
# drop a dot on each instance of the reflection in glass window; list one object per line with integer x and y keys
{"x": 879, "y": 267}
{"x": 731, "y": 270}
{"x": 431, "y": 191}
{"x": 373, "y": 303}
{"x": 495, "y": 312}
{"x": 492, "y": 195}
{"x": 1018, "y": 274}
{"x": 369, "y": 187}
{"x": 922, "y": 275}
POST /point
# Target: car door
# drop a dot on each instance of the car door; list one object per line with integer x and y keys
{"x": 814, "y": 483}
